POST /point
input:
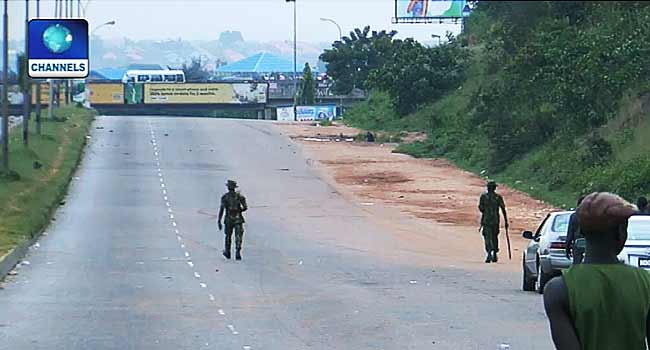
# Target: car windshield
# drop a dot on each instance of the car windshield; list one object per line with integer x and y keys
{"x": 638, "y": 230}
{"x": 561, "y": 223}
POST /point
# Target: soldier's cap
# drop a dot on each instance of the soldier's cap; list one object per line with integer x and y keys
{"x": 492, "y": 184}
{"x": 231, "y": 183}
{"x": 602, "y": 212}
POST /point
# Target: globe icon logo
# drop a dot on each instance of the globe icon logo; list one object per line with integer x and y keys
{"x": 57, "y": 38}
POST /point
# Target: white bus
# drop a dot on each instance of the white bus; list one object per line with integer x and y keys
{"x": 153, "y": 76}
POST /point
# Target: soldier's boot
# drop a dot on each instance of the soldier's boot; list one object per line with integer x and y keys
{"x": 226, "y": 253}
{"x": 489, "y": 258}
{"x": 494, "y": 257}
{"x": 238, "y": 254}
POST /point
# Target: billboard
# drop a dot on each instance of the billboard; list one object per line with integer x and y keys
{"x": 106, "y": 93}
{"x": 58, "y": 48}
{"x": 45, "y": 94}
{"x": 285, "y": 113}
{"x": 438, "y": 9}
{"x": 205, "y": 93}
{"x": 304, "y": 113}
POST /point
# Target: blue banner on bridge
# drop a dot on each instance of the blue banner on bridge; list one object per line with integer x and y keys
{"x": 304, "y": 113}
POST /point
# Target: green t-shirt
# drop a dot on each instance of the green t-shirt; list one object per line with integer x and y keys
{"x": 609, "y": 304}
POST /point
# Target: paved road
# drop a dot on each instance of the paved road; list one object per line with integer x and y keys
{"x": 133, "y": 260}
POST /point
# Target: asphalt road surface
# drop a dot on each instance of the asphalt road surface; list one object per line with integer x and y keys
{"x": 133, "y": 260}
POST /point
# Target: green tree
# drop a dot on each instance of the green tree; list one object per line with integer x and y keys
{"x": 350, "y": 60}
{"x": 22, "y": 71}
{"x": 195, "y": 71}
{"x": 306, "y": 95}
{"x": 414, "y": 74}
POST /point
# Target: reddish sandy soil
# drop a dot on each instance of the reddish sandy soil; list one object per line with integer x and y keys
{"x": 429, "y": 204}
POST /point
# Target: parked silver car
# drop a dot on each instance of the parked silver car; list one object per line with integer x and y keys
{"x": 637, "y": 247}
{"x": 545, "y": 256}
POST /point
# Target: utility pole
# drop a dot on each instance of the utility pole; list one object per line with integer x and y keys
{"x": 37, "y": 111}
{"x": 5, "y": 85}
{"x": 27, "y": 101}
{"x": 295, "y": 58}
{"x": 341, "y": 40}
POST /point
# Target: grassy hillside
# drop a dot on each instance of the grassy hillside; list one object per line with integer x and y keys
{"x": 555, "y": 100}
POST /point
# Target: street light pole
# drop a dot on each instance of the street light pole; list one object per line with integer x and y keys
{"x": 295, "y": 61}
{"x": 27, "y": 101}
{"x": 37, "y": 112}
{"x": 336, "y": 24}
{"x": 340, "y": 39}
{"x": 5, "y": 86}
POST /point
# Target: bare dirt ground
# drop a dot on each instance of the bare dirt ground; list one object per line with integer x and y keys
{"x": 429, "y": 204}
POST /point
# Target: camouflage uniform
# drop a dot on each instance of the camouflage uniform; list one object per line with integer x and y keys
{"x": 489, "y": 205}
{"x": 234, "y": 204}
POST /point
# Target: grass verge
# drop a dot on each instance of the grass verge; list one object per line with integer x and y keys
{"x": 40, "y": 174}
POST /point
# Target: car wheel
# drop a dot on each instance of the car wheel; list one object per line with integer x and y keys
{"x": 528, "y": 284}
{"x": 542, "y": 279}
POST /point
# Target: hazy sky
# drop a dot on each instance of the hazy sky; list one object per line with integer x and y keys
{"x": 258, "y": 20}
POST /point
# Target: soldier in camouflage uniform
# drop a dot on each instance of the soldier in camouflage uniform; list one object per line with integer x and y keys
{"x": 489, "y": 205}
{"x": 234, "y": 204}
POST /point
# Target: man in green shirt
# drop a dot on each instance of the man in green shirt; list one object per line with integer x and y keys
{"x": 489, "y": 205}
{"x": 600, "y": 304}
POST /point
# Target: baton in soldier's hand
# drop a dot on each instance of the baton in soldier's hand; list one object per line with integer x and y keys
{"x": 508, "y": 240}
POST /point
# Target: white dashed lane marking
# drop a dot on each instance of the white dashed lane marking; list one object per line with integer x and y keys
{"x": 232, "y": 329}
{"x": 178, "y": 235}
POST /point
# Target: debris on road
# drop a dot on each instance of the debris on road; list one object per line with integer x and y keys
{"x": 25, "y": 263}
{"x": 166, "y": 134}
{"x": 284, "y": 169}
{"x": 99, "y": 128}
{"x": 13, "y": 272}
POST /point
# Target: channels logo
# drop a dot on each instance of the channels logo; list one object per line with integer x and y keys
{"x": 58, "y": 48}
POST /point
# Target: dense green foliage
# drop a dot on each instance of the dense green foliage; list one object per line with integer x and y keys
{"x": 307, "y": 92}
{"x": 350, "y": 61}
{"x": 414, "y": 74}
{"x": 543, "y": 99}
